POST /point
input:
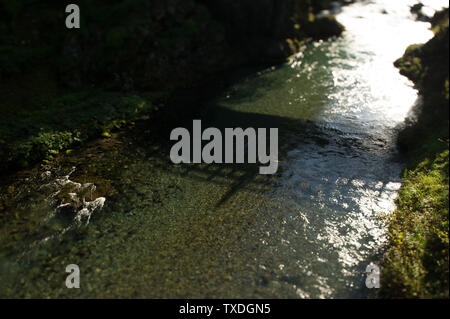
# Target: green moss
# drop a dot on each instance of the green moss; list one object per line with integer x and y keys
{"x": 74, "y": 118}
{"x": 410, "y": 65}
{"x": 417, "y": 262}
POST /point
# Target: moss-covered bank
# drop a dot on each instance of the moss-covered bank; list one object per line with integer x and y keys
{"x": 416, "y": 264}
{"x": 32, "y": 136}
{"x": 55, "y": 83}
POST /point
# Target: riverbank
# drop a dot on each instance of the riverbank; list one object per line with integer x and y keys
{"x": 416, "y": 264}
{"x": 129, "y": 59}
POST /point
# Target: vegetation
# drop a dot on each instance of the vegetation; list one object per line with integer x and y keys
{"x": 70, "y": 120}
{"x": 56, "y": 83}
{"x": 416, "y": 264}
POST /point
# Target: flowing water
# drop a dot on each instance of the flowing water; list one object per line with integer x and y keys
{"x": 224, "y": 230}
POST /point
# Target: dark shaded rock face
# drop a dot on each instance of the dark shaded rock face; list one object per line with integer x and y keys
{"x": 324, "y": 27}
{"x": 260, "y": 27}
{"x": 155, "y": 45}
{"x": 427, "y": 65}
{"x": 250, "y": 19}
{"x": 151, "y": 45}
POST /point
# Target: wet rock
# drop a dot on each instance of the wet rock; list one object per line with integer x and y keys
{"x": 421, "y": 12}
{"x": 324, "y": 27}
{"x": 46, "y": 174}
{"x": 71, "y": 197}
{"x": 88, "y": 208}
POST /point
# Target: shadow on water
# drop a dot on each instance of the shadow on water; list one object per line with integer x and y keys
{"x": 326, "y": 169}
{"x": 328, "y": 138}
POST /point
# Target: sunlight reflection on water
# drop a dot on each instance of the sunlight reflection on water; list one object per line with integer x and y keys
{"x": 347, "y": 188}
{"x": 379, "y": 39}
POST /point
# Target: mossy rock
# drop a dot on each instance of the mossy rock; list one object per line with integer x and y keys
{"x": 410, "y": 65}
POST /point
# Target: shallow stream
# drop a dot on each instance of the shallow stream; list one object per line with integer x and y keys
{"x": 205, "y": 231}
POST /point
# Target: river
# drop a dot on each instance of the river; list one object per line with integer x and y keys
{"x": 224, "y": 231}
